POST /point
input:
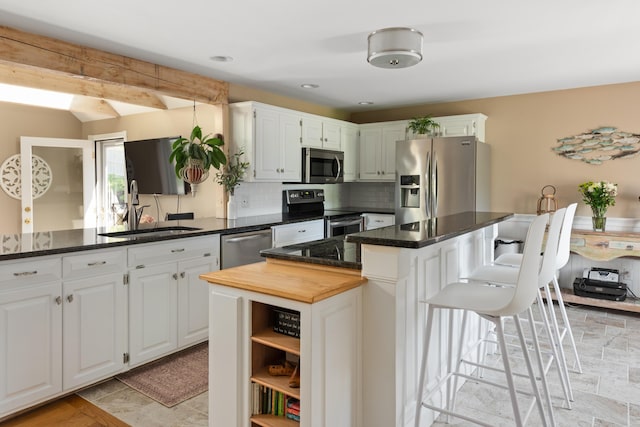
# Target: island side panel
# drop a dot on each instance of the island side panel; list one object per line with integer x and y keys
{"x": 394, "y": 320}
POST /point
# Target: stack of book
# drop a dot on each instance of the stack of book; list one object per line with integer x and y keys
{"x": 272, "y": 402}
{"x": 293, "y": 409}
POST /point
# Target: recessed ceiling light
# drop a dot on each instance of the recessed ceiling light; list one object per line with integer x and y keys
{"x": 365, "y": 103}
{"x": 309, "y": 86}
{"x": 221, "y": 58}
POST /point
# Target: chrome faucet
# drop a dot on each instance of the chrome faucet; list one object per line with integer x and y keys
{"x": 134, "y": 213}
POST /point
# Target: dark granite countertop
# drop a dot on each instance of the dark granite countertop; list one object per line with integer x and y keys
{"x": 16, "y": 246}
{"x": 423, "y": 233}
{"x": 334, "y": 251}
{"x": 345, "y": 251}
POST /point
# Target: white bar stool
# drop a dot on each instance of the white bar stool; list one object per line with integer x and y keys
{"x": 493, "y": 303}
{"x": 561, "y": 260}
{"x": 507, "y": 276}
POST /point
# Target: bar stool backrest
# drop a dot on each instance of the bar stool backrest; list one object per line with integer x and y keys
{"x": 565, "y": 237}
{"x": 549, "y": 259}
{"x": 526, "y": 288}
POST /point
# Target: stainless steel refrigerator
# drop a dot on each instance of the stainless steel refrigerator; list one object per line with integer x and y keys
{"x": 441, "y": 176}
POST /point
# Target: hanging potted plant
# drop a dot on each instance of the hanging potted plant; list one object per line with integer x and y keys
{"x": 229, "y": 177}
{"x": 196, "y": 155}
{"x": 423, "y": 125}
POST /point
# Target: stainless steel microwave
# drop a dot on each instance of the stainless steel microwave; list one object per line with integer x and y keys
{"x": 322, "y": 166}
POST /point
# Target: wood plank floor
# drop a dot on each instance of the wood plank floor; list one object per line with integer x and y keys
{"x": 70, "y": 411}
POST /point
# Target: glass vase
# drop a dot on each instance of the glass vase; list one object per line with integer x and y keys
{"x": 599, "y": 223}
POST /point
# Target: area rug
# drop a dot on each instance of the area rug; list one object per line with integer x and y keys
{"x": 173, "y": 379}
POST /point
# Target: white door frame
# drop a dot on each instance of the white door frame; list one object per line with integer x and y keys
{"x": 88, "y": 176}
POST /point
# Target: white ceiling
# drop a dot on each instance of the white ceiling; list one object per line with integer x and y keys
{"x": 472, "y": 49}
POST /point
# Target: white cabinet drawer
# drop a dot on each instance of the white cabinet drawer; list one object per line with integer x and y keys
{"x": 173, "y": 250}
{"x": 373, "y": 221}
{"x": 94, "y": 263}
{"x": 29, "y": 271}
{"x": 299, "y": 232}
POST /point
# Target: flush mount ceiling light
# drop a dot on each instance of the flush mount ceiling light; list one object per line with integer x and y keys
{"x": 396, "y": 47}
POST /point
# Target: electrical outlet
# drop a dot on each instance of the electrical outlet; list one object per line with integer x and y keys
{"x": 244, "y": 203}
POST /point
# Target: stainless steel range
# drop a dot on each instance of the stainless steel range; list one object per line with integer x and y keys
{"x": 338, "y": 222}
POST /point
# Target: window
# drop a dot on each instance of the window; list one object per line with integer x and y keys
{"x": 111, "y": 178}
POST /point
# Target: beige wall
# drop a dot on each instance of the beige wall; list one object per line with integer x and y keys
{"x": 208, "y": 199}
{"x": 523, "y": 129}
{"x": 20, "y": 120}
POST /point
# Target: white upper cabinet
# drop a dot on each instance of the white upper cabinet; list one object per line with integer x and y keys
{"x": 378, "y": 150}
{"x": 270, "y": 137}
{"x": 349, "y": 146}
{"x": 462, "y": 125}
{"x": 320, "y": 132}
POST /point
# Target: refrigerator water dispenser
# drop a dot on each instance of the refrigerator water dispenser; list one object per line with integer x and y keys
{"x": 410, "y": 191}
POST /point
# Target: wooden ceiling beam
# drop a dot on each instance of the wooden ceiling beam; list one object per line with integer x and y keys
{"x": 20, "y": 75}
{"x": 103, "y": 71}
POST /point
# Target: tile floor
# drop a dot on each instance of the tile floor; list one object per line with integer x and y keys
{"x": 607, "y": 393}
{"x": 138, "y": 410}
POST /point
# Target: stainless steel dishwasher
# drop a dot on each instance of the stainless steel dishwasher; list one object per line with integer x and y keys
{"x": 244, "y": 248}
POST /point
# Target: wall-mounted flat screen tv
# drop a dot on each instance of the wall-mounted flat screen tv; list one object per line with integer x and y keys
{"x": 147, "y": 162}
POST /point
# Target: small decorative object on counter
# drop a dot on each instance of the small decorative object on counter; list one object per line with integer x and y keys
{"x": 230, "y": 178}
{"x": 599, "y": 196}
{"x": 547, "y": 203}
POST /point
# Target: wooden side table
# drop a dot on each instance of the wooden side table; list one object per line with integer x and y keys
{"x": 599, "y": 246}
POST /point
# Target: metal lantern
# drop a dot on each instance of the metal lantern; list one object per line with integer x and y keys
{"x": 547, "y": 203}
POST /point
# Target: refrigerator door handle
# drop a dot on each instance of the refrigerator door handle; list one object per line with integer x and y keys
{"x": 434, "y": 186}
{"x": 427, "y": 187}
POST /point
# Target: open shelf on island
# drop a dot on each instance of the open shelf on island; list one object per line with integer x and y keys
{"x": 273, "y": 421}
{"x": 276, "y": 340}
{"x": 280, "y": 383}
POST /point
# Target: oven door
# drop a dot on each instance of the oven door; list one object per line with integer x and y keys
{"x": 345, "y": 225}
{"x": 322, "y": 166}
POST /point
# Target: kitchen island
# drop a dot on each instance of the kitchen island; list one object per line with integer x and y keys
{"x": 403, "y": 264}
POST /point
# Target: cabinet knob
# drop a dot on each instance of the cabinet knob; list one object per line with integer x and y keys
{"x": 182, "y": 275}
{"x": 70, "y": 297}
{"x": 58, "y": 300}
{"x": 175, "y": 276}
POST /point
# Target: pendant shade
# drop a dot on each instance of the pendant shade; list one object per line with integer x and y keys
{"x": 396, "y": 47}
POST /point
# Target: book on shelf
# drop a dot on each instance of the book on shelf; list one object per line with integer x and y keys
{"x": 272, "y": 402}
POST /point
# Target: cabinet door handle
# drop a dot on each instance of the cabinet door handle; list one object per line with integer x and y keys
{"x": 182, "y": 274}
{"x": 175, "y": 276}
{"x": 93, "y": 264}
{"x": 58, "y": 300}
{"x": 70, "y": 297}
{"x": 26, "y": 273}
{"x": 302, "y": 231}
{"x": 174, "y": 251}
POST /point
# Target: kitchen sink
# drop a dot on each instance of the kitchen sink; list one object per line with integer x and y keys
{"x": 158, "y": 231}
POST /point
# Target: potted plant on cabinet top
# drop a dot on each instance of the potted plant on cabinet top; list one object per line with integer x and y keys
{"x": 229, "y": 177}
{"x": 423, "y": 125}
{"x": 194, "y": 156}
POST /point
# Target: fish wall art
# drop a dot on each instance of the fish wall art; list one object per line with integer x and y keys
{"x": 599, "y": 145}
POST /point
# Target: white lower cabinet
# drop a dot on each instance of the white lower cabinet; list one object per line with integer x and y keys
{"x": 30, "y": 344}
{"x": 299, "y": 232}
{"x": 94, "y": 329}
{"x": 168, "y": 307}
{"x": 61, "y": 328}
{"x": 373, "y": 221}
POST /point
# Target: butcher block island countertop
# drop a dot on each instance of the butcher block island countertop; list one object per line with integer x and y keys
{"x": 287, "y": 279}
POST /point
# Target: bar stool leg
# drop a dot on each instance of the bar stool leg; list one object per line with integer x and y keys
{"x": 543, "y": 379}
{"x": 458, "y": 360}
{"x": 567, "y": 325}
{"x": 423, "y": 370}
{"x": 566, "y": 382}
{"x": 499, "y": 322}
